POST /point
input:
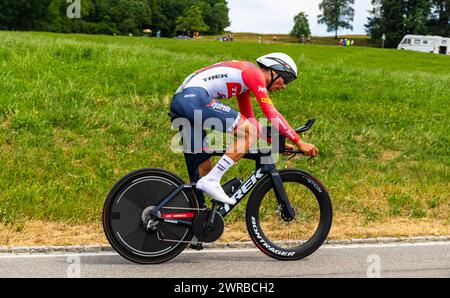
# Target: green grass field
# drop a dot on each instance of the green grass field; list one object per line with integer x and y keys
{"x": 77, "y": 112}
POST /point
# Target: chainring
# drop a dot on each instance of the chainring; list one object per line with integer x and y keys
{"x": 202, "y": 233}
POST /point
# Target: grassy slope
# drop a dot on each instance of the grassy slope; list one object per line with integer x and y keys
{"x": 78, "y": 112}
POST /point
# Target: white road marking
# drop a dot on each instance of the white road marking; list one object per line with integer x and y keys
{"x": 385, "y": 245}
{"x": 222, "y": 250}
{"x": 55, "y": 255}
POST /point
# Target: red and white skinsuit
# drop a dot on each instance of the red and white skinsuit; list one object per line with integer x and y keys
{"x": 225, "y": 80}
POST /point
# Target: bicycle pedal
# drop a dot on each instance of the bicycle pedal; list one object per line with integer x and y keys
{"x": 198, "y": 246}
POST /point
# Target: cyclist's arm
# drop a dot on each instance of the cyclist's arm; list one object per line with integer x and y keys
{"x": 255, "y": 81}
{"x": 246, "y": 110}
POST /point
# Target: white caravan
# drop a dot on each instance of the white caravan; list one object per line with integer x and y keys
{"x": 426, "y": 44}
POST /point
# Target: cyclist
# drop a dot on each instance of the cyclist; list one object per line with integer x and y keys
{"x": 202, "y": 90}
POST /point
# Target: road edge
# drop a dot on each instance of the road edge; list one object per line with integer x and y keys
{"x": 236, "y": 245}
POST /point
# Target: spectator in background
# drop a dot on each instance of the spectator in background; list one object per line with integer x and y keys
{"x": 147, "y": 32}
{"x": 274, "y": 38}
{"x": 308, "y": 40}
{"x": 302, "y": 39}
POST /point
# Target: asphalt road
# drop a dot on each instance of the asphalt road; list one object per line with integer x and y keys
{"x": 431, "y": 259}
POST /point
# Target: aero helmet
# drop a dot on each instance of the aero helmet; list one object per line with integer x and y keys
{"x": 282, "y": 64}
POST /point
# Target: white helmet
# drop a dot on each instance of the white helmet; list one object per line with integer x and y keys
{"x": 282, "y": 64}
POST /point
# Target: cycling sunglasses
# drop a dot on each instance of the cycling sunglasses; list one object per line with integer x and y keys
{"x": 287, "y": 77}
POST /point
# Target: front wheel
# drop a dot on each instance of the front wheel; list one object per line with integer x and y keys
{"x": 289, "y": 239}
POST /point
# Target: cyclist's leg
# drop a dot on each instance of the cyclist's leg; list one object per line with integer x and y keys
{"x": 196, "y": 105}
{"x": 188, "y": 105}
{"x": 246, "y": 136}
{"x": 205, "y": 167}
{"x": 192, "y": 104}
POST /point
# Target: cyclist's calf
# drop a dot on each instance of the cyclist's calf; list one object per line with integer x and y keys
{"x": 205, "y": 167}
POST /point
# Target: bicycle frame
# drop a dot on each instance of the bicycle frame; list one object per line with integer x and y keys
{"x": 239, "y": 194}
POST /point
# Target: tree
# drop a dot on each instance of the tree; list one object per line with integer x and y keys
{"x": 59, "y": 22}
{"x": 220, "y": 18}
{"x": 439, "y": 21}
{"x": 24, "y": 14}
{"x": 192, "y": 20}
{"x": 388, "y": 20}
{"x": 301, "y": 25}
{"x": 337, "y": 14}
{"x": 416, "y": 13}
{"x": 116, "y": 16}
{"x": 131, "y": 16}
{"x": 159, "y": 20}
{"x": 172, "y": 9}
{"x": 397, "y": 18}
{"x": 215, "y": 13}
{"x": 374, "y": 26}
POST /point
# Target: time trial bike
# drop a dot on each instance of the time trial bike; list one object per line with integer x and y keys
{"x": 151, "y": 215}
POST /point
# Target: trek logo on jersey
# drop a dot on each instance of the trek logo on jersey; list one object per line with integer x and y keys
{"x": 219, "y": 76}
{"x": 267, "y": 100}
{"x": 190, "y": 95}
{"x": 262, "y": 89}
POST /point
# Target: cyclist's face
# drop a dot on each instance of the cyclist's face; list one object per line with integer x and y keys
{"x": 277, "y": 85}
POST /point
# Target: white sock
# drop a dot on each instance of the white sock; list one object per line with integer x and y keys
{"x": 220, "y": 169}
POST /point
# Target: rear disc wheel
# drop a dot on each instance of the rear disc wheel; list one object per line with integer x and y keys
{"x": 126, "y": 216}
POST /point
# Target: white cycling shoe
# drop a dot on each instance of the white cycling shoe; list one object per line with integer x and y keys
{"x": 215, "y": 190}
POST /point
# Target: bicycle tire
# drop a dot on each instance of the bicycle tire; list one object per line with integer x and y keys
{"x": 122, "y": 216}
{"x": 261, "y": 236}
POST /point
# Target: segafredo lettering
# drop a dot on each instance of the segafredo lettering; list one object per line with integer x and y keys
{"x": 220, "y": 107}
{"x": 247, "y": 186}
{"x": 262, "y": 89}
{"x": 266, "y": 245}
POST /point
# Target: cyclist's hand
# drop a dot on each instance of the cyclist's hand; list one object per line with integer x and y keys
{"x": 308, "y": 149}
